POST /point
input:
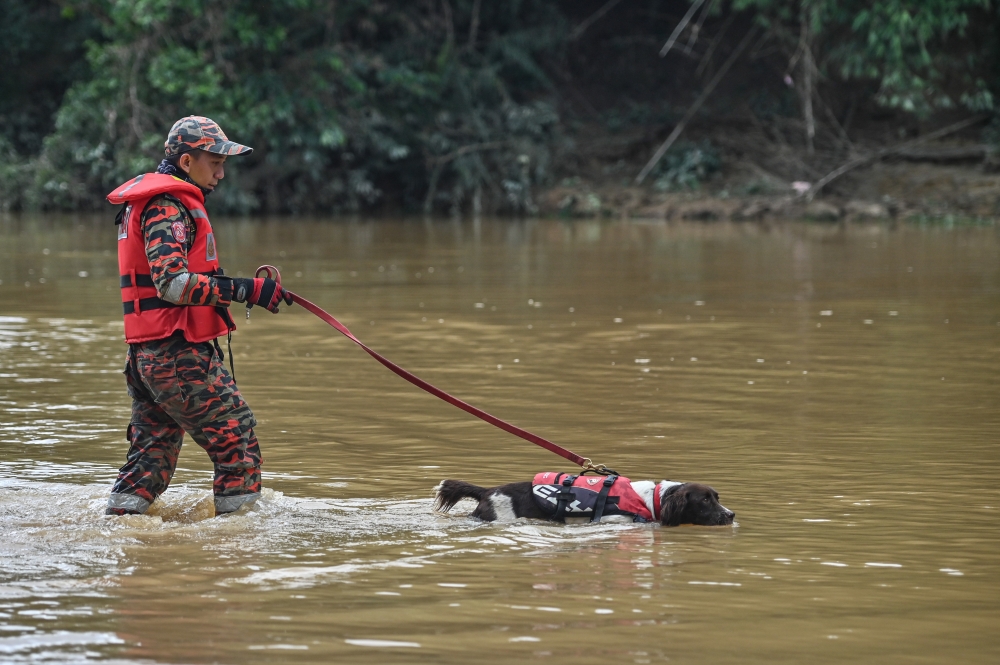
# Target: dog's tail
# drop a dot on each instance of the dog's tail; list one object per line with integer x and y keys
{"x": 450, "y": 492}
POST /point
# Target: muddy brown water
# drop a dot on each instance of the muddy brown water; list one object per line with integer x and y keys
{"x": 837, "y": 385}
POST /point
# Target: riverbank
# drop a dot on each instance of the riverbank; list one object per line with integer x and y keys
{"x": 751, "y": 178}
{"x": 581, "y": 199}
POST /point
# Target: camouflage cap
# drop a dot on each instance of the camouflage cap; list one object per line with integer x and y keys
{"x": 197, "y": 132}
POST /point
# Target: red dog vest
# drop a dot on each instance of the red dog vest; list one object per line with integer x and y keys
{"x": 147, "y": 317}
{"x": 563, "y": 495}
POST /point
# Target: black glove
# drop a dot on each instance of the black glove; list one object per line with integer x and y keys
{"x": 260, "y": 291}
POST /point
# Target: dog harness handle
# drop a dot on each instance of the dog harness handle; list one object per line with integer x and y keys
{"x": 602, "y": 498}
{"x": 565, "y": 496}
{"x": 454, "y": 401}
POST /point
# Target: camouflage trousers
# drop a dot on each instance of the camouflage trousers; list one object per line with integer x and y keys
{"x": 178, "y": 387}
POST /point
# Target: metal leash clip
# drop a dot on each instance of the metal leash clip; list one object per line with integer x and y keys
{"x": 599, "y": 469}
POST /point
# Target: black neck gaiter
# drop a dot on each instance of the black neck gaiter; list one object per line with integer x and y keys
{"x": 167, "y": 167}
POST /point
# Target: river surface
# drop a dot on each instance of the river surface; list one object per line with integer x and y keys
{"x": 837, "y": 385}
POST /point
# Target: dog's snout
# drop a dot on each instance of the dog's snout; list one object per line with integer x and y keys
{"x": 730, "y": 514}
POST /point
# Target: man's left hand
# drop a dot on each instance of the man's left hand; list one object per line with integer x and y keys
{"x": 260, "y": 291}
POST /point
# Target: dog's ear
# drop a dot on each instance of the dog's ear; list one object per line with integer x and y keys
{"x": 674, "y": 505}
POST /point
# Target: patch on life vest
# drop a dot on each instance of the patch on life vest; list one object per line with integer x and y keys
{"x": 123, "y": 227}
{"x": 179, "y": 231}
{"x": 135, "y": 181}
{"x": 210, "y": 247}
{"x": 547, "y": 497}
{"x": 594, "y": 481}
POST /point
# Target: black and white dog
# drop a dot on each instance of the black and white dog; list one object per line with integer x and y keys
{"x": 567, "y": 498}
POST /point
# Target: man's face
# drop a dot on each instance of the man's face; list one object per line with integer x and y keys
{"x": 205, "y": 168}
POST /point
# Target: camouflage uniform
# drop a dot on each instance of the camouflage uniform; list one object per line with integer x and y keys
{"x": 177, "y": 386}
{"x": 169, "y": 232}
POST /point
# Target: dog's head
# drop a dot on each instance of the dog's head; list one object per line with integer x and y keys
{"x": 693, "y": 503}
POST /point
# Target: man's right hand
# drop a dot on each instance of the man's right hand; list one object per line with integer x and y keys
{"x": 260, "y": 291}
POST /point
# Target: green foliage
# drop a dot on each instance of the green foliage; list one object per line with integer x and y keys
{"x": 15, "y": 175}
{"x": 341, "y": 101}
{"x": 685, "y": 167}
{"x": 419, "y": 105}
{"x": 41, "y": 54}
{"x": 913, "y": 50}
{"x": 632, "y": 114}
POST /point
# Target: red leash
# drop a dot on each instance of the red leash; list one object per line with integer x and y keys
{"x": 587, "y": 465}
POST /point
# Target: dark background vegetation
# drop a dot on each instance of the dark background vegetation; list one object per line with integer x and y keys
{"x": 469, "y": 105}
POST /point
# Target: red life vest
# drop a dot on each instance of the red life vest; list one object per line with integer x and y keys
{"x": 147, "y": 316}
{"x": 563, "y": 495}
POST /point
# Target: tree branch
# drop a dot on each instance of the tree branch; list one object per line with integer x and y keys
{"x": 696, "y": 30}
{"x": 705, "y": 59}
{"x": 693, "y": 109}
{"x": 474, "y": 24}
{"x": 449, "y": 25}
{"x": 680, "y": 27}
{"x": 879, "y": 154}
{"x": 593, "y": 18}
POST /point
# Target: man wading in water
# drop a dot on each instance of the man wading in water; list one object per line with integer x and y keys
{"x": 176, "y": 302}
